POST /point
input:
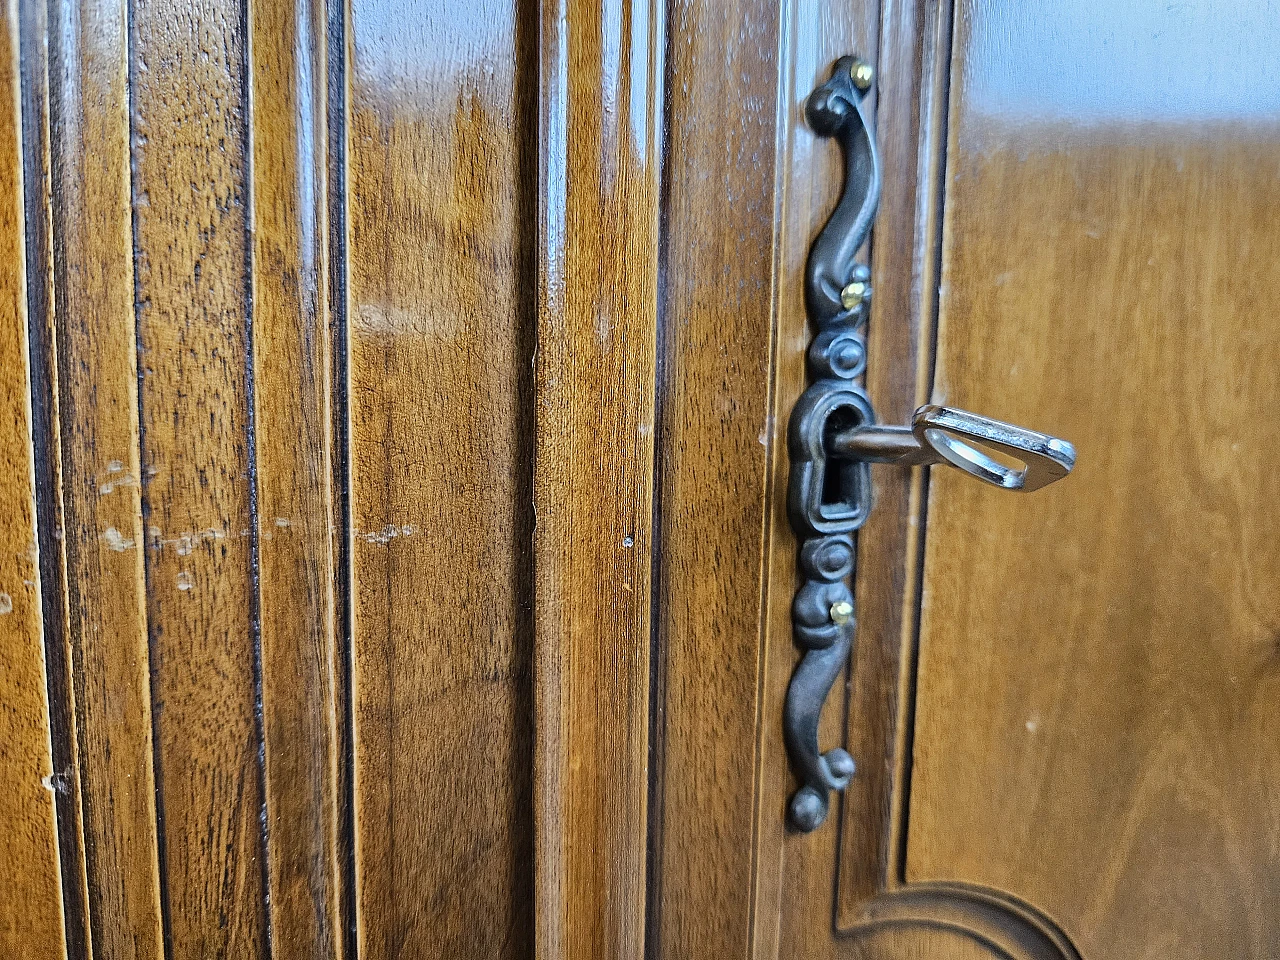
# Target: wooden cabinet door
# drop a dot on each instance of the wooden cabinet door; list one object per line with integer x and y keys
{"x": 1061, "y": 704}
{"x": 1093, "y": 728}
{"x": 394, "y": 552}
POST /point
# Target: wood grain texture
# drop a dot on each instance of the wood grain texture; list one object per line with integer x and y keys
{"x": 914, "y": 66}
{"x": 190, "y": 200}
{"x": 601, "y": 70}
{"x": 336, "y": 125}
{"x": 31, "y": 914}
{"x": 292, "y": 430}
{"x": 1096, "y": 729}
{"x": 37, "y": 189}
{"x": 713, "y": 437}
{"x": 441, "y": 168}
{"x": 97, "y": 382}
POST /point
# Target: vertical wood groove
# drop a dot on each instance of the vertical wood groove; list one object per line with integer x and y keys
{"x": 337, "y": 22}
{"x": 933, "y": 79}
{"x": 59, "y": 662}
{"x": 32, "y": 918}
{"x": 251, "y": 457}
{"x": 161, "y": 834}
{"x": 654, "y": 799}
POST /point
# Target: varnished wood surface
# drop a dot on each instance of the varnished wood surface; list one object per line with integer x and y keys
{"x": 1096, "y": 725}
{"x": 97, "y": 403}
{"x": 714, "y": 448}
{"x": 293, "y": 429}
{"x": 881, "y": 692}
{"x": 37, "y": 190}
{"x": 31, "y": 915}
{"x": 191, "y": 183}
{"x": 796, "y": 878}
{"x": 727, "y": 878}
{"x": 600, "y": 75}
{"x": 914, "y": 65}
{"x": 440, "y": 313}
{"x": 203, "y": 476}
{"x": 327, "y": 302}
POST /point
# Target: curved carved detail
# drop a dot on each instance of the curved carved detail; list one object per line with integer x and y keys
{"x": 828, "y": 500}
{"x": 1000, "y": 923}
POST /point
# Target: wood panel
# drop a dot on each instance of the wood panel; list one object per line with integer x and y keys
{"x": 292, "y": 430}
{"x": 190, "y": 212}
{"x": 97, "y": 383}
{"x": 441, "y": 305}
{"x": 714, "y": 447}
{"x": 727, "y": 877}
{"x": 600, "y": 76}
{"x": 31, "y": 915}
{"x": 839, "y": 892}
{"x": 1096, "y": 730}
{"x": 914, "y": 67}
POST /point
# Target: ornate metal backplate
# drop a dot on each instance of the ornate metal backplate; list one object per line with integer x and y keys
{"x": 829, "y": 498}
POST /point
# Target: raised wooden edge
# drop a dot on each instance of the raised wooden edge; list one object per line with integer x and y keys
{"x": 795, "y": 874}
{"x": 47, "y": 459}
{"x": 32, "y": 923}
{"x": 94, "y": 520}
{"x": 914, "y": 64}
{"x": 600, "y": 154}
{"x": 290, "y": 373}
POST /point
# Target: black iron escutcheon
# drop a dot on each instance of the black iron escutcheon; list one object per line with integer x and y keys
{"x": 833, "y": 437}
{"x": 829, "y": 498}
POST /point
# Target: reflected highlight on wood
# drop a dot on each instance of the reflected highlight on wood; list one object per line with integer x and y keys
{"x": 94, "y": 365}
{"x": 1095, "y": 724}
{"x": 599, "y": 132}
{"x": 293, "y": 449}
{"x": 440, "y": 318}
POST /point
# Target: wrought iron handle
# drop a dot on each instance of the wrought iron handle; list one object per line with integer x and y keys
{"x": 833, "y": 438}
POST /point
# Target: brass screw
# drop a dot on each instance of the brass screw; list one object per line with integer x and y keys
{"x": 862, "y": 74}
{"x": 854, "y": 294}
{"x": 841, "y": 612}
